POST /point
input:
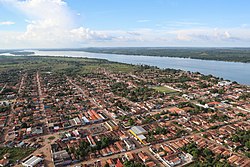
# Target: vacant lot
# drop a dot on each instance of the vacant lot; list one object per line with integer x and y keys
{"x": 16, "y": 153}
{"x": 163, "y": 89}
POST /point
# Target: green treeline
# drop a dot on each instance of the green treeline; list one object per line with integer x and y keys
{"x": 220, "y": 54}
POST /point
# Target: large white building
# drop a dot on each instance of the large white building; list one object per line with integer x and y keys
{"x": 139, "y": 133}
{"x": 32, "y": 161}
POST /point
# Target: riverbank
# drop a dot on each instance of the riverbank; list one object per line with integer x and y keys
{"x": 217, "y": 54}
{"x": 233, "y": 71}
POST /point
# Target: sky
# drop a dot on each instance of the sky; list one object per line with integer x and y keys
{"x": 124, "y": 23}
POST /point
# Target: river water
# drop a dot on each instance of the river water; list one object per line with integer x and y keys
{"x": 233, "y": 71}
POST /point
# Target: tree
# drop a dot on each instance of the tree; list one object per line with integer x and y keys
{"x": 235, "y": 138}
{"x": 133, "y": 164}
{"x": 195, "y": 153}
{"x": 157, "y": 116}
{"x": 247, "y": 144}
{"x": 24, "y": 125}
{"x": 221, "y": 91}
{"x": 207, "y": 152}
{"x": 131, "y": 121}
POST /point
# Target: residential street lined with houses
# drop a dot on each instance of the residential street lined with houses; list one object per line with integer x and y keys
{"x": 147, "y": 117}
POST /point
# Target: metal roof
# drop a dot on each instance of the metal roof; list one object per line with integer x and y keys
{"x": 138, "y": 130}
{"x": 32, "y": 161}
{"x": 141, "y": 137}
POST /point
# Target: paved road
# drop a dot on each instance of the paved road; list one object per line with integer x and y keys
{"x": 21, "y": 84}
{"x": 93, "y": 101}
{"x": 12, "y": 111}
{"x": 92, "y": 161}
{"x": 3, "y": 88}
{"x": 144, "y": 149}
{"x": 41, "y": 98}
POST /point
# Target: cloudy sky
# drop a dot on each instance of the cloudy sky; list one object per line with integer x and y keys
{"x": 93, "y": 23}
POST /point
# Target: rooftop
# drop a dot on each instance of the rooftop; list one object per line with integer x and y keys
{"x": 32, "y": 161}
{"x": 138, "y": 130}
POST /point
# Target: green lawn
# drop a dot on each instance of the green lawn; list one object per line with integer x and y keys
{"x": 51, "y": 137}
{"x": 163, "y": 89}
{"x": 16, "y": 153}
{"x": 114, "y": 67}
{"x": 117, "y": 67}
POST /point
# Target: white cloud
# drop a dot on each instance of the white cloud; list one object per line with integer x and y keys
{"x": 7, "y": 23}
{"x": 210, "y": 35}
{"x": 227, "y": 34}
{"x": 216, "y": 37}
{"x": 81, "y": 34}
{"x": 51, "y": 23}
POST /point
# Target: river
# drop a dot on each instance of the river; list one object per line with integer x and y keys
{"x": 233, "y": 71}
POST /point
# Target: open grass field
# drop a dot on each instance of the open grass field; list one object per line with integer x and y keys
{"x": 163, "y": 89}
{"x": 16, "y": 153}
{"x": 62, "y": 64}
{"x": 114, "y": 67}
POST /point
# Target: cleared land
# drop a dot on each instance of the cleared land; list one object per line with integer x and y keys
{"x": 16, "y": 153}
{"x": 163, "y": 89}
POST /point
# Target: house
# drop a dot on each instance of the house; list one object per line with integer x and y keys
{"x": 224, "y": 83}
{"x": 129, "y": 156}
{"x": 37, "y": 130}
{"x": 129, "y": 144}
{"x": 91, "y": 141}
{"x": 150, "y": 164}
{"x": 119, "y": 146}
{"x": 85, "y": 120}
{"x": 213, "y": 104}
{"x": 4, "y": 162}
{"x": 176, "y": 110}
{"x": 171, "y": 160}
{"x": 61, "y": 158}
{"x": 110, "y": 162}
{"x": 143, "y": 156}
{"x": 175, "y": 161}
{"x": 119, "y": 164}
{"x": 111, "y": 125}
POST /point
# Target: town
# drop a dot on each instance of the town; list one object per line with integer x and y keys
{"x": 60, "y": 111}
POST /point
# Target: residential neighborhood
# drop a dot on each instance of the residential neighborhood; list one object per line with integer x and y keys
{"x": 106, "y": 117}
